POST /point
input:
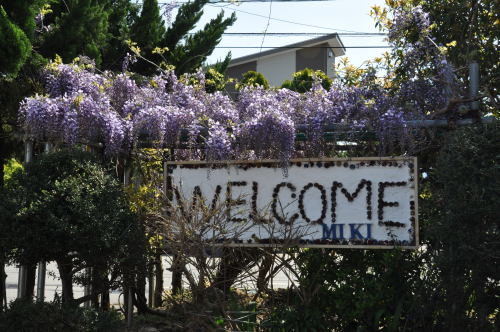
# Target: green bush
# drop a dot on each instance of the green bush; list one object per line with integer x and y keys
{"x": 254, "y": 79}
{"x": 27, "y": 316}
{"x": 303, "y": 80}
{"x": 214, "y": 81}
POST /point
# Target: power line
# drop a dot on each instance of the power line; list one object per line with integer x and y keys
{"x": 320, "y": 47}
{"x": 286, "y": 21}
{"x": 245, "y": 1}
{"x": 286, "y": 34}
{"x": 230, "y": 3}
{"x": 267, "y": 25}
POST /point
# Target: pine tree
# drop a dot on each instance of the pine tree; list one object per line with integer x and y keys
{"x": 188, "y": 52}
{"x": 147, "y": 32}
{"x": 16, "y": 46}
{"x": 185, "y": 52}
{"x": 121, "y": 15}
{"x": 80, "y": 27}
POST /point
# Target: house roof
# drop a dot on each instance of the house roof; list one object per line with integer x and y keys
{"x": 333, "y": 41}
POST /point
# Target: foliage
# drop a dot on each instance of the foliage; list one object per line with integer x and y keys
{"x": 68, "y": 200}
{"x": 16, "y": 46}
{"x": 304, "y": 80}
{"x": 121, "y": 16}
{"x": 253, "y": 79}
{"x": 147, "y": 31}
{"x": 23, "y": 315}
{"x": 464, "y": 239}
{"x": 77, "y": 27}
{"x": 10, "y": 167}
{"x": 214, "y": 81}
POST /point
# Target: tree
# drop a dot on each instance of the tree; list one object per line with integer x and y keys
{"x": 470, "y": 30}
{"x": 16, "y": 47}
{"x": 185, "y": 52}
{"x": 78, "y": 27}
{"x": 121, "y": 16}
{"x": 147, "y": 31}
{"x": 463, "y": 227}
{"x": 72, "y": 211}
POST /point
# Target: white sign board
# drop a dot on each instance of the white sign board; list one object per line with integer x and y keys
{"x": 356, "y": 202}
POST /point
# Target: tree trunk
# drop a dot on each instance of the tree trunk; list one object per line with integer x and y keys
{"x": 264, "y": 269}
{"x": 95, "y": 282}
{"x": 176, "y": 275}
{"x": 141, "y": 286}
{"x": 232, "y": 264}
{"x": 3, "y": 275}
{"x": 3, "y": 288}
{"x": 30, "y": 281}
{"x": 158, "y": 292}
{"x": 105, "y": 301}
{"x": 66, "y": 280}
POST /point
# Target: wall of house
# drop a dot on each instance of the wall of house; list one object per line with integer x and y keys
{"x": 314, "y": 58}
{"x": 238, "y": 70}
{"x": 330, "y": 63}
{"x": 277, "y": 68}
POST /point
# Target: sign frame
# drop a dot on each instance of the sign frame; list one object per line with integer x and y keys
{"x": 338, "y": 162}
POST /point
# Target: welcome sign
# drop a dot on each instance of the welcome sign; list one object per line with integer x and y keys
{"x": 356, "y": 202}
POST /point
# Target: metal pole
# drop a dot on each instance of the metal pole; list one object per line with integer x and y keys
{"x": 87, "y": 289}
{"x": 40, "y": 287}
{"x": 23, "y": 269}
{"x": 42, "y": 266}
{"x": 130, "y": 304}
{"x": 474, "y": 85}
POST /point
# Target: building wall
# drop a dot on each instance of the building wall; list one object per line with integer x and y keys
{"x": 277, "y": 68}
{"x": 238, "y": 70}
{"x": 314, "y": 58}
{"x": 330, "y": 63}
{"x": 280, "y": 67}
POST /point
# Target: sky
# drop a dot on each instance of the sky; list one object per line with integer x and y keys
{"x": 341, "y": 16}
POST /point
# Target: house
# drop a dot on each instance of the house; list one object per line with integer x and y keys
{"x": 278, "y": 64}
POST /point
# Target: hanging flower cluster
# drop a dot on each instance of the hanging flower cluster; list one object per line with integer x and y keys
{"x": 83, "y": 106}
{"x": 428, "y": 78}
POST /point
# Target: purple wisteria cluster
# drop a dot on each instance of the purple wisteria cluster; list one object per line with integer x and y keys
{"x": 86, "y": 107}
{"x": 83, "y": 106}
{"x": 429, "y": 80}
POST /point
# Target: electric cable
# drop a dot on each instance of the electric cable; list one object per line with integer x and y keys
{"x": 267, "y": 25}
{"x": 319, "y": 47}
{"x": 285, "y": 21}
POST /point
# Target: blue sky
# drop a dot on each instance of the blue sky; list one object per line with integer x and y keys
{"x": 316, "y": 16}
